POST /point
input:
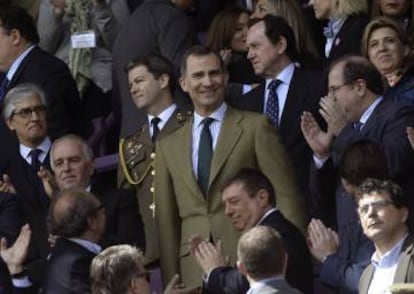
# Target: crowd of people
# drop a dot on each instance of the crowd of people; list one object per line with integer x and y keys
{"x": 263, "y": 146}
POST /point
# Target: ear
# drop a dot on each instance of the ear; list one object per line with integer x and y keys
{"x": 242, "y": 268}
{"x": 163, "y": 80}
{"x": 405, "y": 213}
{"x": 17, "y": 37}
{"x": 91, "y": 168}
{"x": 361, "y": 87}
{"x": 9, "y": 123}
{"x": 281, "y": 45}
{"x": 183, "y": 84}
{"x": 92, "y": 223}
{"x": 263, "y": 197}
{"x": 133, "y": 286}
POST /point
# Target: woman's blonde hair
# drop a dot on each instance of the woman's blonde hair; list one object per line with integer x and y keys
{"x": 350, "y": 7}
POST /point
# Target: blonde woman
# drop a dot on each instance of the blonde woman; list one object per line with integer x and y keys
{"x": 346, "y": 23}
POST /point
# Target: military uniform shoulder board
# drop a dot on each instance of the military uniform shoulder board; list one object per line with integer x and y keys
{"x": 130, "y": 150}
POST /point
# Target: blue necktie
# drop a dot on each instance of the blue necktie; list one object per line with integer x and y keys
{"x": 272, "y": 104}
{"x": 34, "y": 154}
{"x": 3, "y": 88}
{"x": 205, "y": 154}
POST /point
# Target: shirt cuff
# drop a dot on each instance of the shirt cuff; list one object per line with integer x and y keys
{"x": 319, "y": 162}
{"x": 23, "y": 282}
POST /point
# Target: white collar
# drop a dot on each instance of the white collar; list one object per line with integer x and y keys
{"x": 15, "y": 65}
{"x": 285, "y": 76}
{"x": 164, "y": 116}
{"x": 44, "y": 146}
{"x": 91, "y": 246}
{"x": 218, "y": 115}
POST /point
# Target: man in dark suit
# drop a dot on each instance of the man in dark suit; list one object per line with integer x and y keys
{"x": 262, "y": 259}
{"x": 24, "y": 112}
{"x": 192, "y": 163}
{"x": 250, "y": 201}
{"x": 165, "y": 30}
{"x": 72, "y": 164}
{"x": 23, "y": 62}
{"x": 151, "y": 80}
{"x": 353, "y": 109}
{"x": 78, "y": 218}
{"x": 272, "y": 52}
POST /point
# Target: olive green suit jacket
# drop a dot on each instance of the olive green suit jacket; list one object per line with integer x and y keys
{"x": 246, "y": 140}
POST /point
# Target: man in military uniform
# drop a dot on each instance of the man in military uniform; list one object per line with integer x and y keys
{"x": 151, "y": 85}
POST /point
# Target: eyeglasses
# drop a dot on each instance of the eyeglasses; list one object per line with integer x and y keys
{"x": 26, "y": 113}
{"x": 376, "y": 205}
{"x": 334, "y": 89}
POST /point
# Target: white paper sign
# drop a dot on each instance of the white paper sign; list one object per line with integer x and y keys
{"x": 86, "y": 39}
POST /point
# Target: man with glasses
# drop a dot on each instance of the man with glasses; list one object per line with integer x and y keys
{"x": 384, "y": 213}
{"x": 24, "y": 112}
{"x": 353, "y": 109}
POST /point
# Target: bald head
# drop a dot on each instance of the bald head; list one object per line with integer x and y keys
{"x": 77, "y": 213}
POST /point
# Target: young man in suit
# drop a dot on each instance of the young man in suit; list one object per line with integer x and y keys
{"x": 354, "y": 109}
{"x": 152, "y": 84}
{"x": 287, "y": 90}
{"x": 192, "y": 163}
{"x": 385, "y": 216}
{"x": 262, "y": 259}
{"x": 250, "y": 201}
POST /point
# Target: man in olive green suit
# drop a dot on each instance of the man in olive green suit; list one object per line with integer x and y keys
{"x": 192, "y": 164}
{"x": 151, "y": 84}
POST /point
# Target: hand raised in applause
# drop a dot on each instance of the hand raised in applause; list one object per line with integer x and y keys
{"x": 322, "y": 241}
{"x": 333, "y": 114}
{"x": 15, "y": 255}
{"x": 48, "y": 181}
{"x": 318, "y": 140}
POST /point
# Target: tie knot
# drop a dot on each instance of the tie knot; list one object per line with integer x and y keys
{"x": 155, "y": 121}
{"x": 207, "y": 121}
{"x": 34, "y": 153}
{"x": 274, "y": 84}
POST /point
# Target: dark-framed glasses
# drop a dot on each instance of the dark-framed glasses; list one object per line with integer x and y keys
{"x": 334, "y": 89}
{"x": 27, "y": 112}
{"x": 376, "y": 205}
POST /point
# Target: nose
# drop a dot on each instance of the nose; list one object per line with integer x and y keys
{"x": 250, "y": 54}
{"x": 228, "y": 210}
{"x": 207, "y": 80}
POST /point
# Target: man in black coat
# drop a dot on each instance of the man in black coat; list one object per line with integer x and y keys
{"x": 78, "y": 218}
{"x": 272, "y": 52}
{"x": 22, "y": 61}
{"x": 250, "y": 201}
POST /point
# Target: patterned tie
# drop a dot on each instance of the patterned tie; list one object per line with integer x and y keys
{"x": 272, "y": 104}
{"x": 34, "y": 154}
{"x": 155, "y": 130}
{"x": 3, "y": 88}
{"x": 205, "y": 154}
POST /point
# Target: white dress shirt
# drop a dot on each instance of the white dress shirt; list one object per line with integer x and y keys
{"x": 163, "y": 116}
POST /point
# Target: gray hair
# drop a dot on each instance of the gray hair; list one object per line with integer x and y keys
{"x": 20, "y": 93}
{"x": 86, "y": 149}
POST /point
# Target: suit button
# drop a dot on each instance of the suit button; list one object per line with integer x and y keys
{"x": 153, "y": 172}
{"x": 152, "y": 189}
{"x": 152, "y": 155}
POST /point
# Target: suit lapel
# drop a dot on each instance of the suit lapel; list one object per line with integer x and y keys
{"x": 404, "y": 261}
{"x": 294, "y": 101}
{"x": 230, "y": 133}
{"x": 22, "y": 67}
{"x": 183, "y": 150}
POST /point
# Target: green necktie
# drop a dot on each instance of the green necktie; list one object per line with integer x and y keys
{"x": 205, "y": 154}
